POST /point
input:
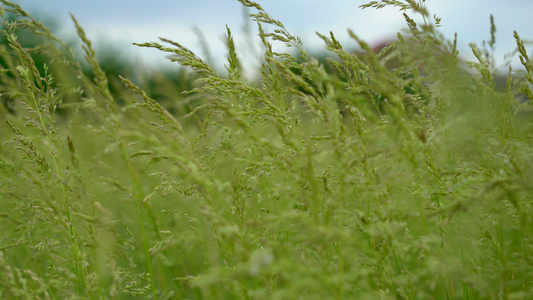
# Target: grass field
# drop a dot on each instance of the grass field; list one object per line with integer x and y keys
{"x": 404, "y": 174}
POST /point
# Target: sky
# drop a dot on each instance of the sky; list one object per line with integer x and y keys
{"x": 122, "y": 22}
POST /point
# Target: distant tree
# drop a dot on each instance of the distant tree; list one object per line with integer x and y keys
{"x": 164, "y": 86}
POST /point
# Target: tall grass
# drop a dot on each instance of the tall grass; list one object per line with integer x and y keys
{"x": 404, "y": 174}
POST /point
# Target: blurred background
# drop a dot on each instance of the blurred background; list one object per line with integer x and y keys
{"x": 117, "y": 24}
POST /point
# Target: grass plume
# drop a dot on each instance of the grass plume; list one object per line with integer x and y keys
{"x": 402, "y": 174}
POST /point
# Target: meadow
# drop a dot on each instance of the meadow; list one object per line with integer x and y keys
{"x": 403, "y": 174}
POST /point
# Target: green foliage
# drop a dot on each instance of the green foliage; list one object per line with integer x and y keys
{"x": 402, "y": 174}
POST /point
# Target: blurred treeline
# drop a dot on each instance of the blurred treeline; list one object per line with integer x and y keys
{"x": 165, "y": 85}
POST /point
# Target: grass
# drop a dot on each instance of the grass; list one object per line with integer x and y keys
{"x": 404, "y": 174}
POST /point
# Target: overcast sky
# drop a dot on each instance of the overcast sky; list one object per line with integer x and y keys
{"x": 125, "y": 21}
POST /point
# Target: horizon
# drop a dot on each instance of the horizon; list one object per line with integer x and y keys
{"x": 119, "y": 25}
